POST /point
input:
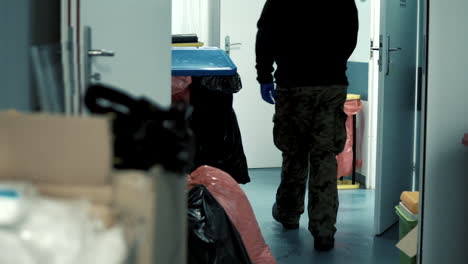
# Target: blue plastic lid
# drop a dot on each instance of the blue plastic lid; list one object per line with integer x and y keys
{"x": 190, "y": 61}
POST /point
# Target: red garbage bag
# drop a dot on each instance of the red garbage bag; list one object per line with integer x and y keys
{"x": 234, "y": 201}
{"x": 180, "y": 88}
{"x": 345, "y": 158}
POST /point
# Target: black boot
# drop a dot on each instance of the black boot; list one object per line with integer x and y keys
{"x": 324, "y": 244}
{"x": 286, "y": 225}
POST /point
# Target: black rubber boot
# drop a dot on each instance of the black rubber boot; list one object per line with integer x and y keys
{"x": 321, "y": 244}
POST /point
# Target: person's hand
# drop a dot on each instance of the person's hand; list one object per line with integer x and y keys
{"x": 268, "y": 92}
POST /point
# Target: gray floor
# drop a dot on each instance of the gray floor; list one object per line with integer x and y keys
{"x": 354, "y": 240}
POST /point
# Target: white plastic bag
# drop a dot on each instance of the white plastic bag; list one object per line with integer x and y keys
{"x": 60, "y": 232}
{"x": 14, "y": 202}
{"x": 14, "y": 250}
{"x": 56, "y": 232}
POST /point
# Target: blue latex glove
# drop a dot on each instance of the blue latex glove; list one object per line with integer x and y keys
{"x": 268, "y": 92}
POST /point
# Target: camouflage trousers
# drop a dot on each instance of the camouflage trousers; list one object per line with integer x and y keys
{"x": 309, "y": 129}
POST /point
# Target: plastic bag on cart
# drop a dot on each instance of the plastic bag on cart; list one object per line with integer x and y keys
{"x": 14, "y": 250}
{"x": 180, "y": 88}
{"x": 60, "y": 232}
{"x": 217, "y": 133}
{"x": 237, "y": 206}
{"x": 345, "y": 158}
{"x": 212, "y": 238}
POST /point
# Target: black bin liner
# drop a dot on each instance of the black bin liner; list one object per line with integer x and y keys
{"x": 226, "y": 84}
{"x": 212, "y": 238}
{"x": 214, "y": 124}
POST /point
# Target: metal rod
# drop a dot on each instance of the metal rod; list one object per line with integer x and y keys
{"x": 354, "y": 149}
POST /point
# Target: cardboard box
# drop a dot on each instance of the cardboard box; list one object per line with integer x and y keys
{"x": 54, "y": 149}
{"x": 409, "y": 243}
{"x": 70, "y": 158}
{"x": 411, "y": 201}
{"x": 102, "y": 194}
{"x": 105, "y": 213}
{"x": 135, "y": 207}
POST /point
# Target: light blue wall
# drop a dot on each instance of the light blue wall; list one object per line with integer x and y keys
{"x": 358, "y": 65}
{"x": 358, "y": 77}
{"x": 15, "y": 74}
{"x": 23, "y": 23}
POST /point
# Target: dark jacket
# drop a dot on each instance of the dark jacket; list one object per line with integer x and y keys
{"x": 309, "y": 40}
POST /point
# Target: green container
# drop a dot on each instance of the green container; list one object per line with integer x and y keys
{"x": 406, "y": 224}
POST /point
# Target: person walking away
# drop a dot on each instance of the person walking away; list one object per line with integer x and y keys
{"x": 310, "y": 43}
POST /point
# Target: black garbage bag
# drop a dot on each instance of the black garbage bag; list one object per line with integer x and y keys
{"x": 212, "y": 238}
{"x": 184, "y": 38}
{"x": 226, "y": 84}
{"x": 144, "y": 133}
{"x": 218, "y": 140}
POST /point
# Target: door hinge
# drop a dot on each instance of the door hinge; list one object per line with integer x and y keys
{"x": 379, "y": 49}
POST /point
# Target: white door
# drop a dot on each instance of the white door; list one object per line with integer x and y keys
{"x": 396, "y": 108}
{"x": 139, "y": 35}
{"x": 239, "y": 22}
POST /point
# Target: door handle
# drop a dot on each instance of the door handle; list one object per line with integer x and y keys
{"x": 228, "y": 44}
{"x": 388, "y": 54}
{"x": 465, "y": 140}
{"x": 375, "y": 49}
{"x": 88, "y": 54}
{"x": 101, "y": 52}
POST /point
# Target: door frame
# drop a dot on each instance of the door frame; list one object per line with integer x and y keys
{"x": 425, "y": 7}
{"x": 373, "y": 95}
